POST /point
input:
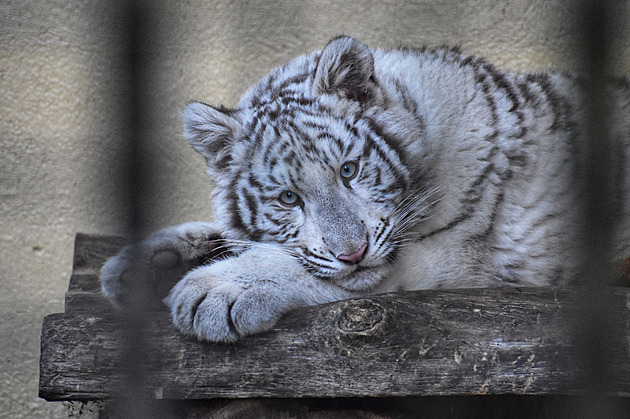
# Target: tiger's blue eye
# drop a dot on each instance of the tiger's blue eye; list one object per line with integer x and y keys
{"x": 289, "y": 198}
{"x": 348, "y": 170}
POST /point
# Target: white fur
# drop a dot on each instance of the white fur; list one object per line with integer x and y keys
{"x": 466, "y": 178}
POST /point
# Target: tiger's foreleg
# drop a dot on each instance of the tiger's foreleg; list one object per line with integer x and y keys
{"x": 246, "y": 294}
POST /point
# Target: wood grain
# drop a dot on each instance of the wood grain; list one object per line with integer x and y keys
{"x": 423, "y": 343}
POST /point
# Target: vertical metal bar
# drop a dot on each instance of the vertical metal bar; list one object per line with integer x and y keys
{"x": 133, "y": 399}
{"x": 595, "y": 334}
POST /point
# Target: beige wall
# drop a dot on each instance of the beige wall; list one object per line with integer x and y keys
{"x": 60, "y": 120}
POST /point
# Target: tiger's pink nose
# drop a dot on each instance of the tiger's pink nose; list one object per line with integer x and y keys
{"x": 355, "y": 257}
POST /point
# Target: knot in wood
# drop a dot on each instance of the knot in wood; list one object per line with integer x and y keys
{"x": 361, "y": 316}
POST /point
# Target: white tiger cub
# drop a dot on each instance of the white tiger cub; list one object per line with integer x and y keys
{"x": 353, "y": 171}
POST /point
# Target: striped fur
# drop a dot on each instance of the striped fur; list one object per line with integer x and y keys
{"x": 364, "y": 171}
{"x": 497, "y": 146}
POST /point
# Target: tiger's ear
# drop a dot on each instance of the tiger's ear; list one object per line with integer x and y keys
{"x": 346, "y": 68}
{"x": 212, "y": 133}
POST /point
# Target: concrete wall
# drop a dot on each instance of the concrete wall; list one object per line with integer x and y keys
{"x": 61, "y": 120}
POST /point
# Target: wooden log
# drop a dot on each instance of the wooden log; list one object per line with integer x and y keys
{"x": 423, "y": 343}
{"x": 461, "y": 342}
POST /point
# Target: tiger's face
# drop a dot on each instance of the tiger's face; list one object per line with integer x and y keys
{"x": 307, "y": 163}
{"x": 326, "y": 187}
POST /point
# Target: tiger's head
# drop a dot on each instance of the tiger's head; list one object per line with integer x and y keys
{"x": 315, "y": 159}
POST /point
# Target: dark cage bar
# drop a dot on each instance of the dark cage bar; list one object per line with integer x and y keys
{"x": 568, "y": 356}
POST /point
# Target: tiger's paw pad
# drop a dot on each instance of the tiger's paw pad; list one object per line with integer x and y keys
{"x": 158, "y": 263}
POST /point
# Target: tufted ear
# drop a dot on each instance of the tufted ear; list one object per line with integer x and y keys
{"x": 212, "y": 133}
{"x": 346, "y": 68}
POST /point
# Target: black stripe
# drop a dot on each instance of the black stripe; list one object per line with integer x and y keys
{"x": 274, "y": 221}
{"x": 408, "y": 102}
{"x": 388, "y": 237}
{"x": 560, "y": 107}
{"x": 252, "y": 208}
{"x": 304, "y": 140}
{"x": 372, "y": 145}
{"x": 385, "y": 225}
{"x": 466, "y": 215}
{"x": 315, "y": 268}
{"x": 501, "y": 82}
{"x": 313, "y": 255}
{"x": 236, "y": 222}
{"x": 335, "y": 140}
{"x": 278, "y": 236}
{"x": 394, "y": 188}
{"x": 254, "y": 182}
{"x": 389, "y": 140}
{"x": 485, "y": 88}
{"x": 297, "y": 79}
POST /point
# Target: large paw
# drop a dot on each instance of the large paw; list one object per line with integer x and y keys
{"x": 157, "y": 263}
{"x": 217, "y": 308}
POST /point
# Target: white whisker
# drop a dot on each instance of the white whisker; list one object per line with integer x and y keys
{"x": 238, "y": 246}
{"x": 411, "y": 211}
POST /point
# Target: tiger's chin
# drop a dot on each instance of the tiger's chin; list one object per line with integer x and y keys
{"x": 362, "y": 278}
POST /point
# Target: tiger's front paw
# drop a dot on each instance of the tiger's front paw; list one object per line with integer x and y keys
{"x": 157, "y": 263}
{"x": 216, "y": 307}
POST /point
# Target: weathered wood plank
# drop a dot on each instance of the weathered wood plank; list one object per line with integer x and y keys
{"x": 91, "y": 252}
{"x": 84, "y": 283}
{"x": 459, "y": 342}
{"x": 462, "y": 342}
